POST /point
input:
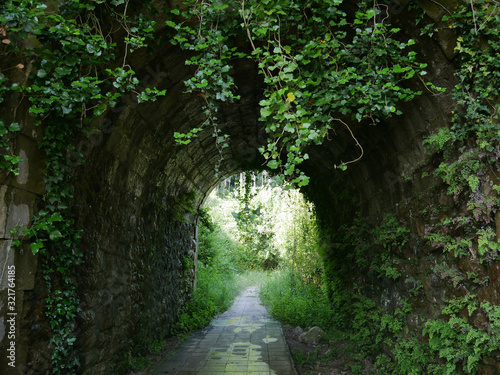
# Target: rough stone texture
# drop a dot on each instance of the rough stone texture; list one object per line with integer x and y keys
{"x": 137, "y": 269}
{"x": 313, "y": 336}
{"x": 19, "y": 197}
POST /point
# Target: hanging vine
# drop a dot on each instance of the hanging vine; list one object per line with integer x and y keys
{"x": 62, "y": 56}
{"x": 321, "y": 68}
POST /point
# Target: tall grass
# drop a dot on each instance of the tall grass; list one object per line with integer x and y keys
{"x": 291, "y": 300}
{"x": 215, "y": 292}
{"x": 216, "y": 279}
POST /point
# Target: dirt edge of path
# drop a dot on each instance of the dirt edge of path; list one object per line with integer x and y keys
{"x": 319, "y": 359}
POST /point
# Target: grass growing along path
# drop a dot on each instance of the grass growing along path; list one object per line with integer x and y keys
{"x": 232, "y": 257}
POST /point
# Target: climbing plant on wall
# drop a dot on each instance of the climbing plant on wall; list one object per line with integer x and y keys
{"x": 322, "y": 69}
{"x": 470, "y": 151}
{"x": 468, "y": 154}
{"x": 60, "y": 53}
{"x": 474, "y": 129}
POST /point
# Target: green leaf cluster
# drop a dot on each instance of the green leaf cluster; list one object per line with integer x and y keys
{"x": 319, "y": 67}
{"x": 62, "y": 49}
{"x": 211, "y": 38}
{"x": 458, "y": 343}
{"x": 8, "y": 161}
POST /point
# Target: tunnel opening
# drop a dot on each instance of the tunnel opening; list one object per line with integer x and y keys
{"x": 249, "y": 227}
{"x": 261, "y": 216}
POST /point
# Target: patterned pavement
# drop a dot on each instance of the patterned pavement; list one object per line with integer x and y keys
{"x": 243, "y": 340}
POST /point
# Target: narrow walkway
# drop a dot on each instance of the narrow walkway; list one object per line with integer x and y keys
{"x": 243, "y": 340}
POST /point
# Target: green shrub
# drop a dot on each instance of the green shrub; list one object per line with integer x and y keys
{"x": 292, "y": 301}
{"x": 217, "y": 249}
{"x": 215, "y": 292}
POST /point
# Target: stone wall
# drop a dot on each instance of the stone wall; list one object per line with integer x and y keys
{"x": 390, "y": 180}
{"x": 19, "y": 200}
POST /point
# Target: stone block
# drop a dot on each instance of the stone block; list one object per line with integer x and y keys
{"x": 26, "y": 267}
{"x": 3, "y": 210}
{"x": 436, "y": 10}
{"x": 313, "y": 336}
{"x": 31, "y": 169}
{"x": 17, "y": 210}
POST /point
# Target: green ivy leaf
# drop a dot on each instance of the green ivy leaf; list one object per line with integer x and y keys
{"x": 36, "y": 246}
{"x": 266, "y": 111}
{"x": 14, "y": 127}
{"x": 273, "y": 164}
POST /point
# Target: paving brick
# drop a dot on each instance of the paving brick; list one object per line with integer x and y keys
{"x": 240, "y": 341}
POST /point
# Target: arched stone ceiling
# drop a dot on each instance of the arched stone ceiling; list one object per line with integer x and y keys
{"x": 141, "y": 140}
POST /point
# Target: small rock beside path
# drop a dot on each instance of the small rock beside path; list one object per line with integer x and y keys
{"x": 312, "y": 337}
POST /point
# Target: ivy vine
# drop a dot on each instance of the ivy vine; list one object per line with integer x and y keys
{"x": 8, "y": 161}
{"x": 470, "y": 146}
{"x": 62, "y": 54}
{"x": 470, "y": 150}
{"x": 322, "y": 69}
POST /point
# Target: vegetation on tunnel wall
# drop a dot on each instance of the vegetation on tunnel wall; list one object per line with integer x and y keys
{"x": 322, "y": 69}
{"x": 470, "y": 152}
{"x": 68, "y": 63}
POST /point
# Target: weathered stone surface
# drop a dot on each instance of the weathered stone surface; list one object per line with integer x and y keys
{"x": 32, "y": 167}
{"x": 17, "y": 209}
{"x": 7, "y": 254}
{"x": 313, "y": 336}
{"x": 298, "y": 330}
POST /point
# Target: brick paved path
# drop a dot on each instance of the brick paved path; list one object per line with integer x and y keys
{"x": 243, "y": 340}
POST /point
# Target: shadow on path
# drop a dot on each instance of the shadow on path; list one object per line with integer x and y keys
{"x": 243, "y": 340}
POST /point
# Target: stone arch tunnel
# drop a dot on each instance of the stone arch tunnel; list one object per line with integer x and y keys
{"x": 133, "y": 281}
